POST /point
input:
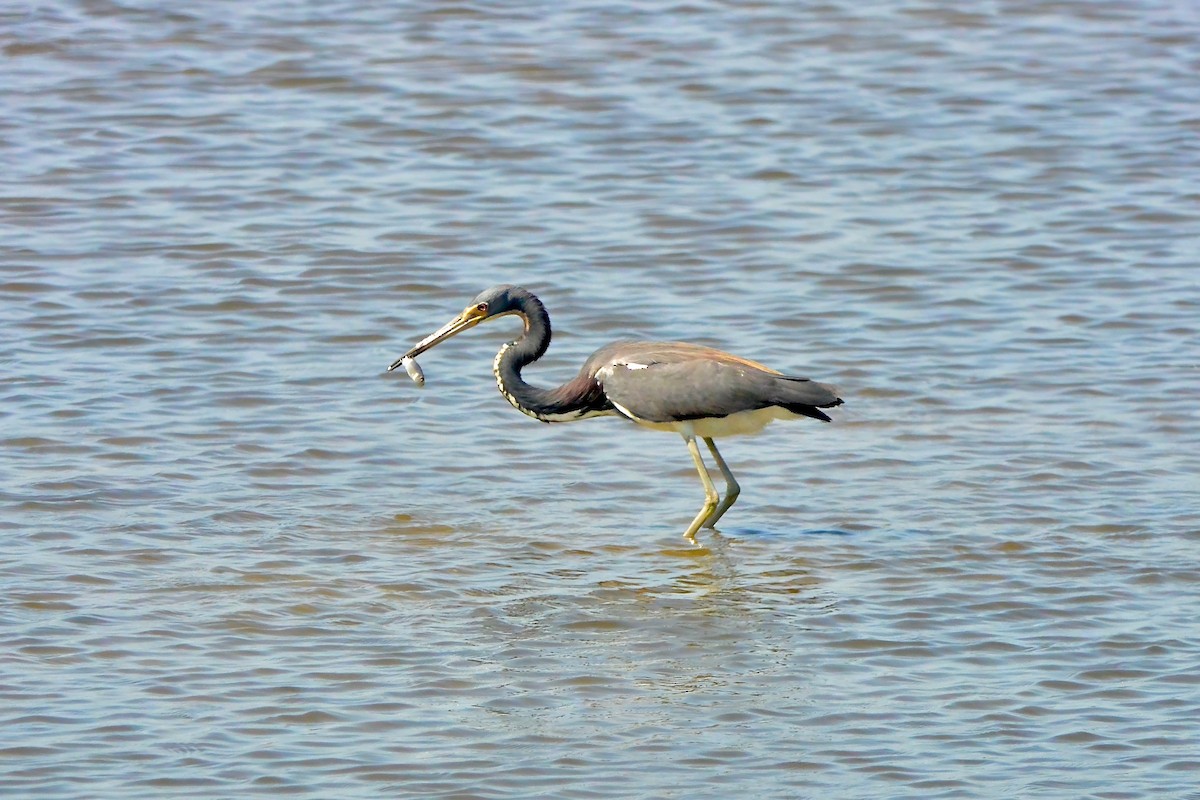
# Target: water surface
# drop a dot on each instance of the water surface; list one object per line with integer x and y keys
{"x": 240, "y": 560}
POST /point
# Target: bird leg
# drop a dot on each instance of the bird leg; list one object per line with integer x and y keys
{"x": 710, "y": 493}
{"x": 732, "y": 489}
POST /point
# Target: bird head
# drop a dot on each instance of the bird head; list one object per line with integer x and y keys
{"x": 494, "y": 302}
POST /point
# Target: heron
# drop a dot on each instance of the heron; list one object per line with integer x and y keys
{"x": 696, "y": 391}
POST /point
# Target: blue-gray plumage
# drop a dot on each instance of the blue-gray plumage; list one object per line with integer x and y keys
{"x": 693, "y": 390}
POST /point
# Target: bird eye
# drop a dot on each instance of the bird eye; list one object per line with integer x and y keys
{"x": 481, "y": 307}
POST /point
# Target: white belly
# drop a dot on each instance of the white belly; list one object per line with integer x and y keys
{"x": 741, "y": 424}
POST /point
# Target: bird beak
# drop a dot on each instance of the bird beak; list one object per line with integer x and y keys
{"x": 462, "y": 322}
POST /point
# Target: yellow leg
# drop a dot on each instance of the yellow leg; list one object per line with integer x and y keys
{"x": 732, "y": 489}
{"x": 710, "y": 493}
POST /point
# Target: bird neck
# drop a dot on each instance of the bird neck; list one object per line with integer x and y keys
{"x": 573, "y": 400}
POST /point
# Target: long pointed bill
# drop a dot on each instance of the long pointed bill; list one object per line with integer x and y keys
{"x": 451, "y": 328}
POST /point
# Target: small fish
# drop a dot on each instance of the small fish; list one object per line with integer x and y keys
{"x": 414, "y": 370}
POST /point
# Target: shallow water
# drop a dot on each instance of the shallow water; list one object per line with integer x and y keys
{"x": 239, "y": 559}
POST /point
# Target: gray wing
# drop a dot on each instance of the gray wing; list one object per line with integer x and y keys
{"x": 670, "y": 381}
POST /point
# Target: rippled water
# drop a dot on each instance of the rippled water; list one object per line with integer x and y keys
{"x": 240, "y": 560}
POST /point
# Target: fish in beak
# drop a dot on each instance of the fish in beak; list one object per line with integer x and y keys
{"x": 469, "y": 318}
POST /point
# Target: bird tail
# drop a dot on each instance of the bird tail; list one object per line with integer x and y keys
{"x": 807, "y": 397}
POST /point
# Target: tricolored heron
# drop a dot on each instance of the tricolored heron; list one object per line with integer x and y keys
{"x": 669, "y": 386}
